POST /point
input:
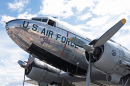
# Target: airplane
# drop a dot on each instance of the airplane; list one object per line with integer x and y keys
{"x": 66, "y": 56}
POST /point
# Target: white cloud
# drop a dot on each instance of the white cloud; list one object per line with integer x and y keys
{"x": 63, "y": 8}
{"x": 18, "y": 5}
{"x": 104, "y": 14}
{"x": 6, "y": 18}
{"x": 123, "y": 40}
{"x": 26, "y": 15}
{"x": 85, "y": 16}
{"x": 82, "y": 26}
{"x": 14, "y": 52}
{"x": 56, "y": 8}
{"x": 115, "y": 10}
{"x": 81, "y": 5}
{"x": 10, "y": 53}
{"x": 112, "y": 7}
{"x": 98, "y": 21}
{"x": 11, "y": 74}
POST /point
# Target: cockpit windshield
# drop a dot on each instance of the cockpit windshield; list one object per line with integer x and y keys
{"x": 49, "y": 21}
{"x": 36, "y": 19}
{"x": 44, "y": 20}
{"x": 40, "y": 19}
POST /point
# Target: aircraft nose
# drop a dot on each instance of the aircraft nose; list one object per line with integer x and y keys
{"x": 14, "y": 26}
{"x": 11, "y": 28}
{"x": 16, "y": 31}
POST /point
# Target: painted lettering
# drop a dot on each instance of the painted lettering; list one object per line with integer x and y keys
{"x": 43, "y": 31}
{"x": 47, "y": 33}
{"x": 34, "y": 27}
{"x": 63, "y": 39}
{"x": 50, "y": 33}
{"x": 26, "y": 24}
{"x": 67, "y": 41}
{"x": 58, "y": 36}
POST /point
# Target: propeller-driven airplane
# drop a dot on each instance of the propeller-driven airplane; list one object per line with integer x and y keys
{"x": 66, "y": 56}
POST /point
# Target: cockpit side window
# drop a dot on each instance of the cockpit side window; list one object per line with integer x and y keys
{"x": 36, "y": 19}
{"x": 52, "y": 23}
{"x": 44, "y": 20}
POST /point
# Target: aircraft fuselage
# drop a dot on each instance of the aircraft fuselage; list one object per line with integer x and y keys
{"x": 48, "y": 40}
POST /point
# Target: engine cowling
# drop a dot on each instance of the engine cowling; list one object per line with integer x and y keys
{"x": 109, "y": 58}
{"x": 42, "y": 72}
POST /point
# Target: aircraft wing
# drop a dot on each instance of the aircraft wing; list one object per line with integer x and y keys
{"x": 31, "y": 82}
{"x": 81, "y": 83}
{"x": 78, "y": 83}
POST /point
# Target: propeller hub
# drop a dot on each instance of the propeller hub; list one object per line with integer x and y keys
{"x": 97, "y": 53}
{"x": 88, "y": 48}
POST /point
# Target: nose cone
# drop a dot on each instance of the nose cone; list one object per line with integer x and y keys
{"x": 16, "y": 31}
{"x": 11, "y": 28}
{"x": 14, "y": 26}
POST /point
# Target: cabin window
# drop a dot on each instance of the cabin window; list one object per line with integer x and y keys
{"x": 44, "y": 20}
{"x": 51, "y": 23}
{"x": 36, "y": 19}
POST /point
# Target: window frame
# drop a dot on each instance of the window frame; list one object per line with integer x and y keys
{"x": 35, "y": 19}
{"x": 46, "y": 21}
{"x": 54, "y": 25}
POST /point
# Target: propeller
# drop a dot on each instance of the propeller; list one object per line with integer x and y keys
{"x": 30, "y": 59}
{"x": 26, "y": 64}
{"x": 90, "y": 48}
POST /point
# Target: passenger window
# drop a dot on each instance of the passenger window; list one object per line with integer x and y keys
{"x": 52, "y": 23}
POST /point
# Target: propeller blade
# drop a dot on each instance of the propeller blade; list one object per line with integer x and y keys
{"x": 77, "y": 41}
{"x": 22, "y": 64}
{"x": 88, "y": 78}
{"x": 80, "y": 43}
{"x": 24, "y": 78}
{"x": 106, "y": 36}
{"x": 88, "y": 48}
{"x": 30, "y": 59}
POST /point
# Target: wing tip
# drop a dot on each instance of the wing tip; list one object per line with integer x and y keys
{"x": 123, "y": 20}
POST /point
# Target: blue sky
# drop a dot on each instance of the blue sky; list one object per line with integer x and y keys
{"x": 94, "y": 17}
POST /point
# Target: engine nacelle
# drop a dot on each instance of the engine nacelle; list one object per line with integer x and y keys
{"x": 42, "y": 72}
{"x": 109, "y": 58}
{"x": 110, "y": 61}
{"x": 113, "y": 78}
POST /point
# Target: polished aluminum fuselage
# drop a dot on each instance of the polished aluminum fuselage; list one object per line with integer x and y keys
{"x": 52, "y": 43}
{"x": 52, "y": 39}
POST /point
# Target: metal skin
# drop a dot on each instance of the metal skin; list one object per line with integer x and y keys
{"x": 112, "y": 58}
{"x": 24, "y": 35}
{"x": 55, "y": 40}
{"x": 107, "y": 58}
{"x": 42, "y": 72}
{"x": 112, "y": 62}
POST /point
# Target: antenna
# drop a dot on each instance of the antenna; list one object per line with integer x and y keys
{"x": 5, "y": 22}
